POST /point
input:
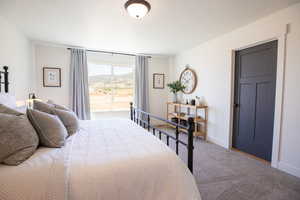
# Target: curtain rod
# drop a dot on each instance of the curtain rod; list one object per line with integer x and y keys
{"x": 111, "y": 52}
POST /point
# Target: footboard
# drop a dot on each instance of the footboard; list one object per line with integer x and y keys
{"x": 144, "y": 119}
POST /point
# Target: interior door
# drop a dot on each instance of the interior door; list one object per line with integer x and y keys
{"x": 255, "y": 85}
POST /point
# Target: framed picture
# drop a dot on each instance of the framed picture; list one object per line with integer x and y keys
{"x": 158, "y": 81}
{"x": 51, "y": 77}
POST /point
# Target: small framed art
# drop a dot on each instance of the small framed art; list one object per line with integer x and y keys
{"x": 51, "y": 77}
{"x": 158, "y": 81}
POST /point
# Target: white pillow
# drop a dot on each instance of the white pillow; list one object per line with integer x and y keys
{"x": 8, "y": 100}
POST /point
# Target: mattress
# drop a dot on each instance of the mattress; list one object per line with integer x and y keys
{"x": 106, "y": 160}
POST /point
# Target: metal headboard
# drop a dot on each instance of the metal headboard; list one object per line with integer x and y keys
{"x": 4, "y": 79}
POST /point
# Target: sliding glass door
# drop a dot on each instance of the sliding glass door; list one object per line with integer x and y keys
{"x": 111, "y": 85}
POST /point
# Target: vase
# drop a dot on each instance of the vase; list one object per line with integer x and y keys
{"x": 175, "y": 98}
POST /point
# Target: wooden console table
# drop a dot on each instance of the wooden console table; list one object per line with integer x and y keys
{"x": 178, "y": 115}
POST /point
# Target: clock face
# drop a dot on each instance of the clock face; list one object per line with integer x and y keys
{"x": 189, "y": 80}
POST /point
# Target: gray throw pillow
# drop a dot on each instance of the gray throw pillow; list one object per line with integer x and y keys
{"x": 57, "y": 106}
{"x": 61, "y": 107}
{"x": 48, "y": 107}
{"x": 18, "y": 139}
{"x": 43, "y": 107}
{"x": 6, "y": 110}
{"x": 69, "y": 119}
{"x": 50, "y": 101}
{"x": 50, "y": 129}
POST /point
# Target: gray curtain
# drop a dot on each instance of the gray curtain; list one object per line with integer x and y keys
{"x": 79, "y": 91}
{"x": 141, "y": 83}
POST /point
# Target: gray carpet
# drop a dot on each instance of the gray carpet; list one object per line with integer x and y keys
{"x": 228, "y": 175}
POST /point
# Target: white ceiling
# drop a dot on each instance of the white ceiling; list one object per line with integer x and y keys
{"x": 170, "y": 27}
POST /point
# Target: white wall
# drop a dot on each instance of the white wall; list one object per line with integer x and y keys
{"x": 52, "y": 56}
{"x": 158, "y": 97}
{"x": 16, "y": 53}
{"x": 56, "y": 56}
{"x": 213, "y": 63}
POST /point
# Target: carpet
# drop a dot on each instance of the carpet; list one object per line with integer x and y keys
{"x": 223, "y": 174}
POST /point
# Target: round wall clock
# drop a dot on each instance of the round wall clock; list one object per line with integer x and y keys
{"x": 188, "y": 78}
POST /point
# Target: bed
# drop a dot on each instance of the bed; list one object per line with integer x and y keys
{"x": 102, "y": 162}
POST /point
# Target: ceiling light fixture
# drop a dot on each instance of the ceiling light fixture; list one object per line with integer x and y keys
{"x": 137, "y": 8}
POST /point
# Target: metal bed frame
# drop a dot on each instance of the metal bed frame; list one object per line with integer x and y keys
{"x": 4, "y": 74}
{"x": 143, "y": 119}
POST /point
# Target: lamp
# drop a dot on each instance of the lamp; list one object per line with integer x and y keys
{"x": 31, "y": 99}
{"x": 137, "y": 8}
{"x": 31, "y": 96}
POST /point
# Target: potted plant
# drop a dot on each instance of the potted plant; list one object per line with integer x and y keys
{"x": 176, "y": 87}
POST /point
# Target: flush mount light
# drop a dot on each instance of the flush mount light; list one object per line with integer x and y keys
{"x": 137, "y": 8}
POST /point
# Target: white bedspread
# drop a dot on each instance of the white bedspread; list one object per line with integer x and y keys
{"x": 106, "y": 160}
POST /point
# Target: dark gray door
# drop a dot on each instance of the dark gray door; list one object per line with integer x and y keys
{"x": 255, "y": 85}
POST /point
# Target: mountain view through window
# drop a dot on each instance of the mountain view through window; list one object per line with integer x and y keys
{"x": 111, "y": 88}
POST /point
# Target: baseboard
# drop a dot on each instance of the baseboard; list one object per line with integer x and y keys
{"x": 289, "y": 168}
{"x": 216, "y": 141}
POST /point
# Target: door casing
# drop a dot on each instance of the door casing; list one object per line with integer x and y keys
{"x": 258, "y": 79}
{"x": 281, "y": 56}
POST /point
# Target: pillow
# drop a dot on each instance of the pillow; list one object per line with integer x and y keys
{"x": 8, "y": 100}
{"x": 61, "y": 107}
{"x": 18, "y": 139}
{"x": 57, "y": 106}
{"x": 69, "y": 119}
{"x": 50, "y": 129}
{"x": 50, "y": 101}
{"x": 7, "y": 110}
{"x": 44, "y": 107}
{"x": 47, "y": 107}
